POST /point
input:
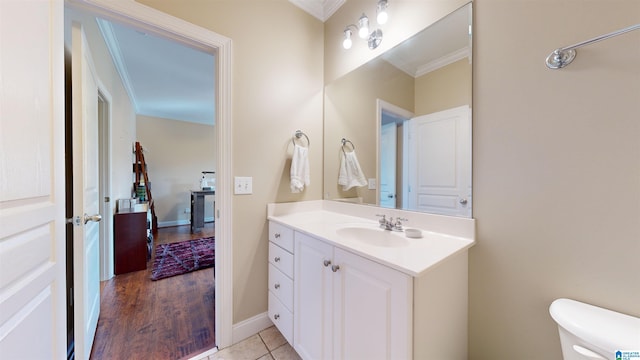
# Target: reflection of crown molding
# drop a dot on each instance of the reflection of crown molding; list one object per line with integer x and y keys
{"x": 443, "y": 61}
{"x": 321, "y": 10}
{"x": 111, "y": 40}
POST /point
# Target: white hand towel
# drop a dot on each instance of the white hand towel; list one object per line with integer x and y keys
{"x": 350, "y": 172}
{"x": 299, "y": 169}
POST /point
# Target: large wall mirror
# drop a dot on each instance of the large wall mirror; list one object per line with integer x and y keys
{"x": 405, "y": 119}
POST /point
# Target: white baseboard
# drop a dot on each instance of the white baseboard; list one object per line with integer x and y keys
{"x": 251, "y": 326}
{"x": 162, "y": 224}
{"x": 204, "y": 355}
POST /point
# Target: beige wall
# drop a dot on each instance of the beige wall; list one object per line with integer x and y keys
{"x": 176, "y": 153}
{"x": 277, "y": 89}
{"x": 556, "y": 171}
{"x": 350, "y": 112}
{"x": 445, "y": 88}
{"x": 556, "y": 179}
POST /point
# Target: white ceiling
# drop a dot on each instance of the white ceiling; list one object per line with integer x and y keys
{"x": 440, "y": 44}
{"x": 163, "y": 78}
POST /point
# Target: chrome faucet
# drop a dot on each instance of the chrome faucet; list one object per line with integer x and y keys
{"x": 390, "y": 224}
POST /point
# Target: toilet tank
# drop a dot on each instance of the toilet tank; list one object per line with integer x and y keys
{"x": 589, "y": 332}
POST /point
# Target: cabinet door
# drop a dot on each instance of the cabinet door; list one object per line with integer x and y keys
{"x": 372, "y": 310}
{"x": 312, "y": 298}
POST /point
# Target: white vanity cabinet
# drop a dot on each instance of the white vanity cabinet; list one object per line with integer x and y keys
{"x": 281, "y": 279}
{"x": 348, "y": 307}
{"x": 331, "y": 302}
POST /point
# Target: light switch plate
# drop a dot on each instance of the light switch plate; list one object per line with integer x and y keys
{"x": 372, "y": 184}
{"x": 243, "y": 185}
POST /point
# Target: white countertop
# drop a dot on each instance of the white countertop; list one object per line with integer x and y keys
{"x": 414, "y": 257}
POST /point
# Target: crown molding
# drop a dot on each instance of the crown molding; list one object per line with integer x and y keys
{"x": 320, "y": 9}
{"x": 116, "y": 54}
{"x": 436, "y": 64}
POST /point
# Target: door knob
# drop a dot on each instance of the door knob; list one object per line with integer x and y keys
{"x": 335, "y": 268}
{"x": 463, "y": 201}
{"x": 94, "y": 218}
{"x": 390, "y": 196}
{"x": 327, "y": 263}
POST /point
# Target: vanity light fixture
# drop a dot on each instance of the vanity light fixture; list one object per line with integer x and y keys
{"x": 373, "y": 38}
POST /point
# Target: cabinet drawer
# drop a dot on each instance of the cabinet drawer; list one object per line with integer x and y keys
{"x": 281, "y": 286}
{"x": 281, "y": 317}
{"x": 281, "y": 235}
{"x": 281, "y": 259}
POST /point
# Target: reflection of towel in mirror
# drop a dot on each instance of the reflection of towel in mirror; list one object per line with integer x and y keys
{"x": 299, "y": 169}
{"x": 350, "y": 172}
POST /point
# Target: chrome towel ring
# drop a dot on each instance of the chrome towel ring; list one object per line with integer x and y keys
{"x": 344, "y": 143}
{"x": 298, "y": 135}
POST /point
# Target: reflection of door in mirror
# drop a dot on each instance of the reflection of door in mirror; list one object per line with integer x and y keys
{"x": 388, "y": 155}
{"x": 392, "y": 154}
{"x": 426, "y": 74}
{"x": 440, "y": 162}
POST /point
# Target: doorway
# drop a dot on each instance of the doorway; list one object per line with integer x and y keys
{"x": 391, "y": 149}
{"x": 104, "y": 190}
{"x": 161, "y": 24}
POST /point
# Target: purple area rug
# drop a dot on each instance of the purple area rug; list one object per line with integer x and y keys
{"x": 183, "y": 257}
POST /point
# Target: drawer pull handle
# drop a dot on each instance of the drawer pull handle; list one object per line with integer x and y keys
{"x": 276, "y": 259}
{"x": 335, "y": 268}
{"x": 276, "y": 316}
{"x": 327, "y": 263}
{"x": 277, "y": 235}
{"x": 277, "y": 286}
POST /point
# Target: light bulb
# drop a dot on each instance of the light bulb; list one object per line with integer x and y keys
{"x": 382, "y": 12}
{"x": 347, "y": 39}
{"x": 382, "y": 17}
{"x": 363, "y": 26}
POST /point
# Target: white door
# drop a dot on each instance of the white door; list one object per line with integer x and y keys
{"x": 86, "y": 233}
{"x": 388, "y": 155}
{"x": 440, "y": 162}
{"x": 372, "y": 310}
{"x": 32, "y": 227}
{"x": 312, "y": 288}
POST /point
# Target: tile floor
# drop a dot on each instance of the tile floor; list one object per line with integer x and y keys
{"x": 269, "y": 344}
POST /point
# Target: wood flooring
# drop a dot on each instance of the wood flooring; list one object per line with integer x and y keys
{"x": 172, "y": 318}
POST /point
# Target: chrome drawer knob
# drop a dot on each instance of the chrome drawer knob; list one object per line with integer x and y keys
{"x": 277, "y": 286}
{"x": 335, "y": 268}
{"x": 276, "y": 316}
{"x": 327, "y": 263}
{"x": 277, "y": 235}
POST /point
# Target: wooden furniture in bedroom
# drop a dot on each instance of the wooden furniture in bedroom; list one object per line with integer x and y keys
{"x": 130, "y": 240}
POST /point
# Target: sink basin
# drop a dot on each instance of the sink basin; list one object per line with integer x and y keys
{"x": 373, "y": 236}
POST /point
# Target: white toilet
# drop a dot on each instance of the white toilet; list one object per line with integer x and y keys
{"x": 588, "y": 332}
